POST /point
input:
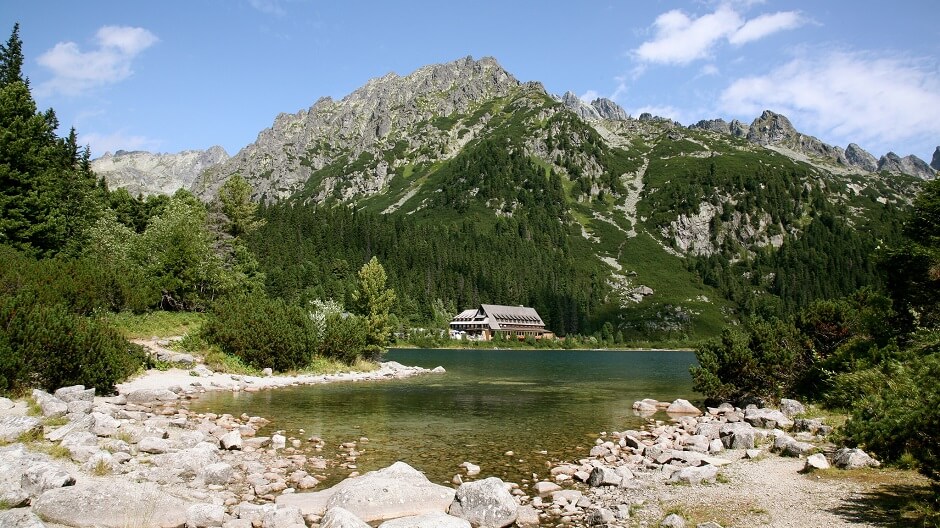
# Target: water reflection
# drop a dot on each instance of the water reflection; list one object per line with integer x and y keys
{"x": 488, "y": 403}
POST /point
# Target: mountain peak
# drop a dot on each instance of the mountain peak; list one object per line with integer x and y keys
{"x": 935, "y": 162}
{"x": 600, "y": 108}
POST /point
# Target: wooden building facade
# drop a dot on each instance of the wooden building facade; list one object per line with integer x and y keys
{"x": 490, "y": 320}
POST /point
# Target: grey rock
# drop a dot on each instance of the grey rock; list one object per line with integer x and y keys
{"x": 78, "y": 407}
{"x": 428, "y": 520}
{"x": 231, "y": 441}
{"x": 12, "y": 428}
{"x": 715, "y": 125}
{"x": 911, "y": 165}
{"x": 709, "y": 524}
{"x": 769, "y": 418}
{"x": 791, "y": 408}
{"x": 695, "y": 475}
{"x": 104, "y": 425}
{"x": 101, "y": 462}
{"x": 697, "y": 443}
{"x": 716, "y": 446}
{"x": 817, "y": 461}
{"x": 396, "y": 491}
{"x": 109, "y": 504}
{"x": 51, "y": 406}
{"x": 527, "y": 516}
{"x": 545, "y": 488}
{"x": 738, "y": 435}
{"x": 44, "y": 476}
{"x": 219, "y": 473}
{"x": 601, "y": 517}
{"x": 363, "y": 121}
{"x": 153, "y": 445}
{"x": 858, "y": 157}
{"x": 253, "y": 513}
{"x": 853, "y": 458}
{"x": 283, "y": 517}
{"x": 775, "y": 129}
{"x": 673, "y": 520}
{"x": 147, "y": 173}
{"x": 935, "y": 162}
{"x": 81, "y": 425}
{"x": 753, "y": 453}
{"x": 237, "y": 523}
{"x": 146, "y": 396}
{"x": 484, "y": 502}
{"x": 6, "y": 403}
{"x": 20, "y": 518}
{"x": 205, "y": 515}
{"x": 681, "y": 406}
{"x": 603, "y": 476}
{"x": 75, "y": 393}
{"x": 337, "y": 517}
{"x": 190, "y": 461}
{"x": 811, "y": 425}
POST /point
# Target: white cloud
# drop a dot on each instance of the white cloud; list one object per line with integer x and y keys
{"x": 709, "y": 70}
{"x": 760, "y": 27}
{"x": 589, "y": 96}
{"x": 681, "y": 39}
{"x": 75, "y": 71}
{"x": 848, "y": 97}
{"x": 115, "y": 141}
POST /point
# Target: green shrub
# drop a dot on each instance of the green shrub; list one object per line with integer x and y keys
{"x": 904, "y": 417}
{"x": 344, "y": 338}
{"x": 762, "y": 360}
{"x": 262, "y": 332}
{"x": 47, "y": 346}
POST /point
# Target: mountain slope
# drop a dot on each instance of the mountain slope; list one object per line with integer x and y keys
{"x": 475, "y": 187}
{"x": 147, "y": 173}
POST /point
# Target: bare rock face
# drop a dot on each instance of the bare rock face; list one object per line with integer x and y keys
{"x": 859, "y": 157}
{"x": 485, "y": 502}
{"x": 360, "y": 126}
{"x": 775, "y": 129}
{"x": 153, "y": 173}
{"x": 600, "y": 108}
{"x": 911, "y": 164}
{"x": 935, "y": 162}
{"x": 111, "y": 505}
{"x": 715, "y": 125}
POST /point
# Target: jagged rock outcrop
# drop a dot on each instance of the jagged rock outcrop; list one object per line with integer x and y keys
{"x": 935, "y": 162}
{"x": 911, "y": 164}
{"x": 715, "y": 125}
{"x": 858, "y": 157}
{"x": 776, "y": 130}
{"x": 599, "y": 108}
{"x": 388, "y": 113}
{"x": 148, "y": 173}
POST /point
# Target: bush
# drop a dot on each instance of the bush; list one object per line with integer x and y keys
{"x": 262, "y": 332}
{"x": 47, "y": 346}
{"x": 344, "y": 338}
{"x": 903, "y": 417}
{"x": 763, "y": 360}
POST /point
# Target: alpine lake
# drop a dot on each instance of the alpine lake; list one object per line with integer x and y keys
{"x": 543, "y": 406}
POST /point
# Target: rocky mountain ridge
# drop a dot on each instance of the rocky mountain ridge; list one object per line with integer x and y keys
{"x": 149, "y": 173}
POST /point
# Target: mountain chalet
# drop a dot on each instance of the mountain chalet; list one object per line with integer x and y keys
{"x": 490, "y": 320}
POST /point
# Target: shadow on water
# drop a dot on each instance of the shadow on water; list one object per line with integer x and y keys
{"x": 893, "y": 505}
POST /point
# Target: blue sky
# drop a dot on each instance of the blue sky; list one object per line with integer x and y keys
{"x": 175, "y": 75}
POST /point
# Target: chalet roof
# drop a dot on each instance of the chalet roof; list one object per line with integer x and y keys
{"x": 499, "y": 317}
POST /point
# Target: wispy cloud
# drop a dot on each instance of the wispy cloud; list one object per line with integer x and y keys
{"x": 75, "y": 71}
{"x": 845, "y": 97}
{"x": 115, "y": 141}
{"x": 589, "y": 96}
{"x": 681, "y": 39}
{"x": 268, "y": 7}
{"x": 667, "y": 111}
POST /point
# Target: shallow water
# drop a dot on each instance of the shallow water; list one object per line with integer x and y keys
{"x": 489, "y": 402}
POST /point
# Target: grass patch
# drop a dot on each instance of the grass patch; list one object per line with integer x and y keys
{"x": 34, "y": 435}
{"x": 55, "y": 450}
{"x": 156, "y": 324}
{"x": 219, "y": 361}
{"x": 123, "y": 436}
{"x": 32, "y": 407}
{"x": 101, "y": 468}
{"x": 322, "y": 365}
{"x": 57, "y": 421}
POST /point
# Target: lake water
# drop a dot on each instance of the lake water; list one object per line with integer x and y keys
{"x": 543, "y": 405}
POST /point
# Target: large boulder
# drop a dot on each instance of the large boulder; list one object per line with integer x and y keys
{"x": 855, "y": 458}
{"x": 286, "y": 517}
{"x": 791, "y": 408}
{"x": 737, "y": 435}
{"x": 337, "y": 517}
{"x": 485, "y": 502}
{"x": 83, "y": 424}
{"x": 107, "y": 504}
{"x": 51, "y": 406}
{"x": 768, "y": 418}
{"x": 13, "y": 428}
{"x": 44, "y": 476}
{"x": 695, "y": 475}
{"x": 20, "y": 518}
{"x": 205, "y": 515}
{"x": 604, "y": 476}
{"x": 681, "y": 406}
{"x": 428, "y": 520}
{"x": 814, "y": 462}
{"x": 148, "y": 396}
{"x": 75, "y": 393}
{"x": 396, "y": 491}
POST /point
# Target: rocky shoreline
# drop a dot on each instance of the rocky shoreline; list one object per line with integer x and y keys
{"x": 141, "y": 458}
